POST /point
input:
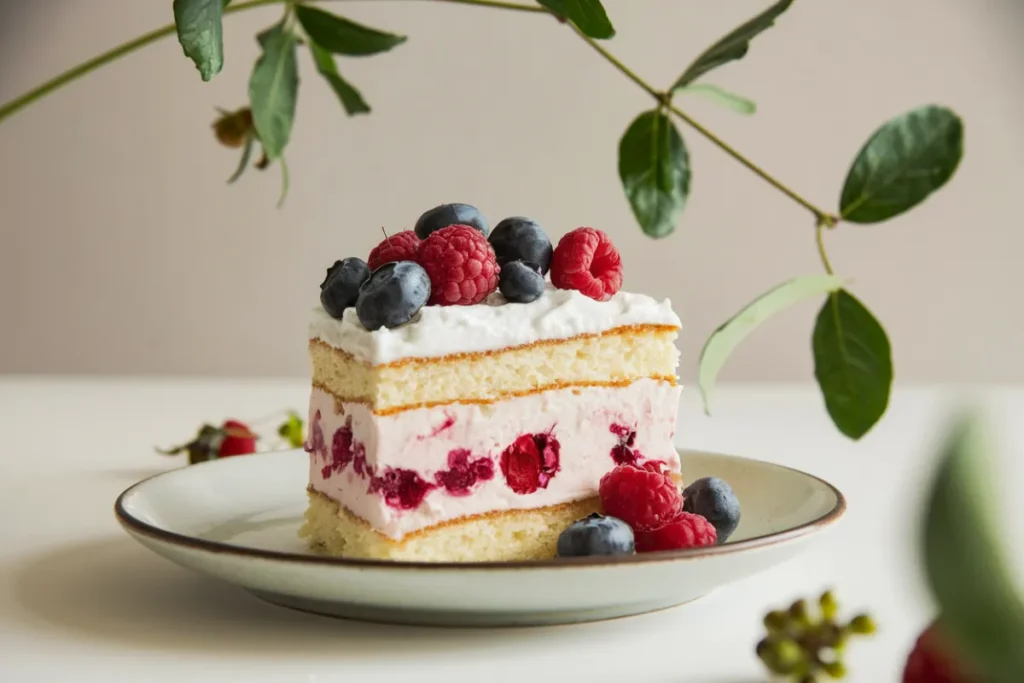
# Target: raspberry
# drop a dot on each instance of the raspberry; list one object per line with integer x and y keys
{"x": 643, "y": 499}
{"x": 461, "y": 265}
{"x": 238, "y": 439}
{"x": 929, "y": 661}
{"x": 463, "y": 473}
{"x": 587, "y": 261}
{"x": 401, "y": 489}
{"x": 530, "y": 462}
{"x": 685, "y": 530}
{"x": 401, "y": 246}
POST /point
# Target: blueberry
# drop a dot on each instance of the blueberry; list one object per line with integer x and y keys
{"x": 521, "y": 282}
{"x": 713, "y": 499}
{"x": 596, "y": 535}
{"x": 340, "y": 288}
{"x": 451, "y": 214}
{"x": 520, "y": 239}
{"x": 394, "y": 294}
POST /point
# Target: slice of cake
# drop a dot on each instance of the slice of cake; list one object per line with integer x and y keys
{"x": 477, "y": 426}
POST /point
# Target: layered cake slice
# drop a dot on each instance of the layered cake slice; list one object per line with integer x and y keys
{"x": 452, "y": 422}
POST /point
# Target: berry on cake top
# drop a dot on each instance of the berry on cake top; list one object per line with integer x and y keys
{"x": 452, "y": 258}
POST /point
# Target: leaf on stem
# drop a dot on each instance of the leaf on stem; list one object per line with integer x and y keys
{"x": 852, "y": 363}
{"x": 588, "y": 16}
{"x": 654, "y": 167}
{"x": 733, "y": 46}
{"x": 341, "y": 36}
{"x": 902, "y": 163}
{"x": 243, "y": 163}
{"x": 981, "y": 610}
{"x": 350, "y": 98}
{"x": 273, "y": 90}
{"x": 201, "y": 34}
{"x": 729, "y": 100}
{"x": 723, "y": 341}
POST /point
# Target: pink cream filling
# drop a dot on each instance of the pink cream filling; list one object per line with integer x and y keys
{"x": 422, "y": 467}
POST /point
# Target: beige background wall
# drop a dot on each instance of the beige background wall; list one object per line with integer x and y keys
{"x": 123, "y": 250}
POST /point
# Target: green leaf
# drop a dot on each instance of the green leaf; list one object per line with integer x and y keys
{"x": 341, "y": 36}
{"x": 902, "y": 163}
{"x": 740, "y": 105}
{"x": 273, "y": 90}
{"x": 733, "y": 46}
{"x": 981, "y": 610}
{"x": 654, "y": 167}
{"x": 588, "y": 16}
{"x": 243, "y": 163}
{"x": 201, "y": 34}
{"x": 350, "y": 98}
{"x": 852, "y": 363}
{"x": 731, "y": 334}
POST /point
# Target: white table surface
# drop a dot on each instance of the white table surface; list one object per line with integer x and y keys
{"x": 80, "y": 601}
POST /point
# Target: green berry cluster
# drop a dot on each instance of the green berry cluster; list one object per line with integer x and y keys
{"x": 802, "y": 647}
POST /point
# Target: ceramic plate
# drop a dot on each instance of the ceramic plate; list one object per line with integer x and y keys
{"x": 237, "y": 519}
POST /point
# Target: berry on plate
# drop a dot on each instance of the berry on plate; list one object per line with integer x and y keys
{"x": 714, "y": 500}
{"x": 394, "y": 294}
{"x": 451, "y": 214}
{"x": 521, "y": 282}
{"x": 587, "y": 261}
{"x": 643, "y": 499}
{"x": 461, "y": 265}
{"x": 401, "y": 246}
{"x": 931, "y": 661}
{"x": 685, "y": 530}
{"x": 596, "y": 535}
{"x": 520, "y": 239}
{"x": 340, "y": 288}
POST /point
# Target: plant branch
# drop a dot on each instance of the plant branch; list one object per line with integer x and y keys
{"x": 822, "y": 216}
{"x": 84, "y": 68}
{"x": 819, "y": 231}
{"x": 614, "y": 61}
{"x": 497, "y": 4}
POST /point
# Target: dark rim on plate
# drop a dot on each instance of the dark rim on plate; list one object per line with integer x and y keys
{"x": 136, "y": 525}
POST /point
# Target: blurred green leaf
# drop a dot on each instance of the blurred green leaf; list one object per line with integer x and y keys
{"x": 902, "y": 163}
{"x": 982, "y": 612}
{"x": 273, "y": 91}
{"x": 589, "y": 16}
{"x": 729, "y": 100}
{"x": 201, "y": 34}
{"x": 852, "y": 363}
{"x": 723, "y": 341}
{"x": 654, "y": 167}
{"x": 733, "y": 45}
{"x": 341, "y": 36}
{"x": 350, "y": 98}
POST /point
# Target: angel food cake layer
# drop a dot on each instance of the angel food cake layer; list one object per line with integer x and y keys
{"x": 480, "y": 432}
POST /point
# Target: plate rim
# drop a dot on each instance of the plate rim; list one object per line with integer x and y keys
{"x": 134, "y": 525}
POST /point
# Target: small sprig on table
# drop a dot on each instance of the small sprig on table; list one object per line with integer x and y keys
{"x": 234, "y": 437}
{"x": 802, "y": 647}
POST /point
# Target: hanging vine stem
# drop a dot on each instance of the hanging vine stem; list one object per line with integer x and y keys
{"x": 823, "y": 218}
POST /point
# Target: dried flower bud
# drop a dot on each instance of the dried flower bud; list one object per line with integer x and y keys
{"x": 862, "y": 624}
{"x": 835, "y": 669}
{"x": 829, "y": 606}
{"x": 233, "y": 128}
{"x": 776, "y": 621}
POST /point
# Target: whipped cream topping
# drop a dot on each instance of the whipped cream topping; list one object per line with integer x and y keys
{"x": 490, "y": 325}
{"x": 587, "y": 422}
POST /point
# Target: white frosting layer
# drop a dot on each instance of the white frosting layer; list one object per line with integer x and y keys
{"x": 587, "y": 423}
{"x": 488, "y": 326}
